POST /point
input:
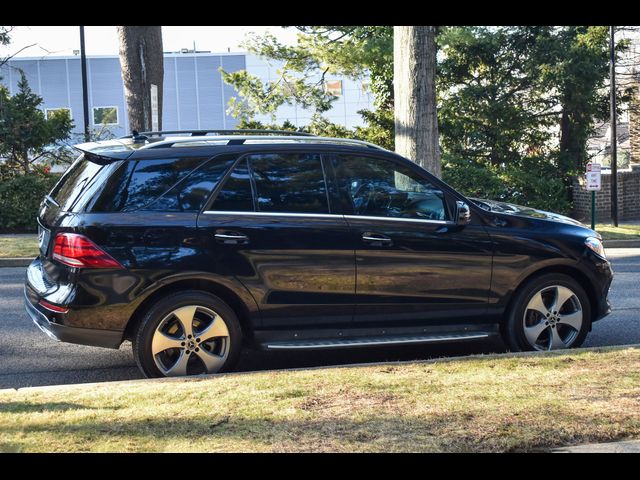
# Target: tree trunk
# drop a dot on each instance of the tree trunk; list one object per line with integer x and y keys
{"x": 142, "y": 64}
{"x": 414, "y": 73}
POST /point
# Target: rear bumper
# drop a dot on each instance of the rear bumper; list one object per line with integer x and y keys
{"x": 63, "y": 333}
{"x": 53, "y": 324}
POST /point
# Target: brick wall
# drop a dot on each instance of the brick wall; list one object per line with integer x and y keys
{"x": 628, "y": 197}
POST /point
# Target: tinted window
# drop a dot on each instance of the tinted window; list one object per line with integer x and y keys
{"x": 382, "y": 188}
{"x": 75, "y": 182}
{"x": 139, "y": 182}
{"x": 190, "y": 194}
{"x": 235, "y": 195}
{"x": 291, "y": 183}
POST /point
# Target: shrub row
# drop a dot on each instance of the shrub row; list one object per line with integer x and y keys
{"x": 20, "y": 199}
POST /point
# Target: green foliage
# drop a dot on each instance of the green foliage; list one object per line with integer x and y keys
{"x": 20, "y": 199}
{"x": 376, "y": 131}
{"x": 25, "y": 133}
{"x": 535, "y": 184}
{"x": 516, "y": 104}
{"x": 517, "y": 100}
{"x": 5, "y": 37}
{"x": 331, "y": 50}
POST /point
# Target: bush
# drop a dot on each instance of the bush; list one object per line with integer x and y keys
{"x": 535, "y": 184}
{"x": 20, "y": 199}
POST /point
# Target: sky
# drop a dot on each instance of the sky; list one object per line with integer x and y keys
{"x": 102, "y": 40}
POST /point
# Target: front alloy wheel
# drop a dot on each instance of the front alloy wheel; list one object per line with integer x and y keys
{"x": 548, "y": 312}
{"x": 553, "y": 318}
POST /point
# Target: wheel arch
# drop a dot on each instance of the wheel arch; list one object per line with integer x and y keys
{"x": 246, "y": 316}
{"x": 568, "y": 270}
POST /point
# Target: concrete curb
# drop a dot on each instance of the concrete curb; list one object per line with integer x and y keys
{"x": 15, "y": 262}
{"x": 623, "y": 446}
{"x": 621, "y": 243}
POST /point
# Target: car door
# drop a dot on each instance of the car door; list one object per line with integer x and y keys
{"x": 413, "y": 264}
{"x": 272, "y": 226}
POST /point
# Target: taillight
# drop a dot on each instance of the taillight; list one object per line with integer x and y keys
{"x": 52, "y": 307}
{"x": 77, "y": 250}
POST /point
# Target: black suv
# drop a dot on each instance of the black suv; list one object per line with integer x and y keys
{"x": 193, "y": 245}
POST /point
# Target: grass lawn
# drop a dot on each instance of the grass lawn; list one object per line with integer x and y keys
{"x": 622, "y": 232}
{"x": 21, "y": 246}
{"x": 479, "y": 404}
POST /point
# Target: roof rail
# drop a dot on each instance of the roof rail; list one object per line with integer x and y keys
{"x": 201, "y": 133}
{"x": 240, "y": 140}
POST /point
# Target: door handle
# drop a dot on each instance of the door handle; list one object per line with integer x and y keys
{"x": 231, "y": 238}
{"x": 376, "y": 239}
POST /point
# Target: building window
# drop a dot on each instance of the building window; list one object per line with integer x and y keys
{"x": 49, "y": 112}
{"x": 105, "y": 116}
{"x": 333, "y": 87}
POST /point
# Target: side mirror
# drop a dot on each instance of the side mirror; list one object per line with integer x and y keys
{"x": 463, "y": 213}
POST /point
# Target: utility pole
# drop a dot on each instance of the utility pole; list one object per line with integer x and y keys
{"x": 614, "y": 137}
{"x": 85, "y": 98}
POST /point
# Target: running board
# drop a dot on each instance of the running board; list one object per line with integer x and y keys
{"x": 373, "y": 341}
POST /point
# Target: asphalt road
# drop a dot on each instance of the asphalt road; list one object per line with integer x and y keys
{"x": 30, "y": 358}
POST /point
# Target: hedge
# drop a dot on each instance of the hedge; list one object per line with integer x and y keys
{"x": 20, "y": 199}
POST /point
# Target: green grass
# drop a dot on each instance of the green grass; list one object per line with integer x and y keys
{"x": 622, "y": 232}
{"x": 21, "y": 246}
{"x": 480, "y": 404}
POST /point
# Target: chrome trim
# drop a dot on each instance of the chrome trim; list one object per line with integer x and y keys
{"x": 376, "y": 239}
{"x": 329, "y": 215}
{"x": 230, "y": 237}
{"x": 399, "y": 219}
{"x": 274, "y": 214}
{"x": 365, "y": 343}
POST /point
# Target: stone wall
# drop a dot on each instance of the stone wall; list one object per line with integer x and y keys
{"x": 628, "y": 197}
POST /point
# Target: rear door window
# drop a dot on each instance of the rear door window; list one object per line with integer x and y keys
{"x": 289, "y": 183}
{"x": 191, "y": 193}
{"x": 236, "y": 194}
{"x": 275, "y": 182}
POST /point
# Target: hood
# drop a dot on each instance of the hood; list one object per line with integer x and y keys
{"x": 519, "y": 210}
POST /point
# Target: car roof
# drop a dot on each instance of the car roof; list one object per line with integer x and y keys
{"x": 124, "y": 147}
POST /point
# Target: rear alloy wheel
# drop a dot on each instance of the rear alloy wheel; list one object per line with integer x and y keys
{"x": 188, "y": 333}
{"x": 551, "y": 312}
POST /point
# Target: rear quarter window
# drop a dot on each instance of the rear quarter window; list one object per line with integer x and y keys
{"x": 138, "y": 183}
{"x": 77, "y": 180}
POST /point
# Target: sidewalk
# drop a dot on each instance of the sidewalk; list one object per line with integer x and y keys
{"x": 628, "y": 446}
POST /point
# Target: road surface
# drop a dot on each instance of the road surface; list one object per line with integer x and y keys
{"x": 30, "y": 358}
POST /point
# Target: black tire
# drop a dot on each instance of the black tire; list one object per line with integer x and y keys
{"x": 143, "y": 336}
{"x": 512, "y": 327}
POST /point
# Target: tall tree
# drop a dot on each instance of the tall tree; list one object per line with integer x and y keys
{"x": 416, "y": 121}
{"x": 25, "y": 132}
{"x": 142, "y": 63}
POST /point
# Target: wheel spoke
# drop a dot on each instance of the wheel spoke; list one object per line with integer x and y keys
{"x": 574, "y": 320}
{"x": 533, "y": 333}
{"x": 537, "y": 304}
{"x": 185, "y": 317}
{"x": 162, "y": 342}
{"x": 217, "y": 328}
{"x": 212, "y": 362}
{"x": 184, "y": 343}
{"x": 556, "y": 341}
{"x": 562, "y": 295}
{"x": 180, "y": 367}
